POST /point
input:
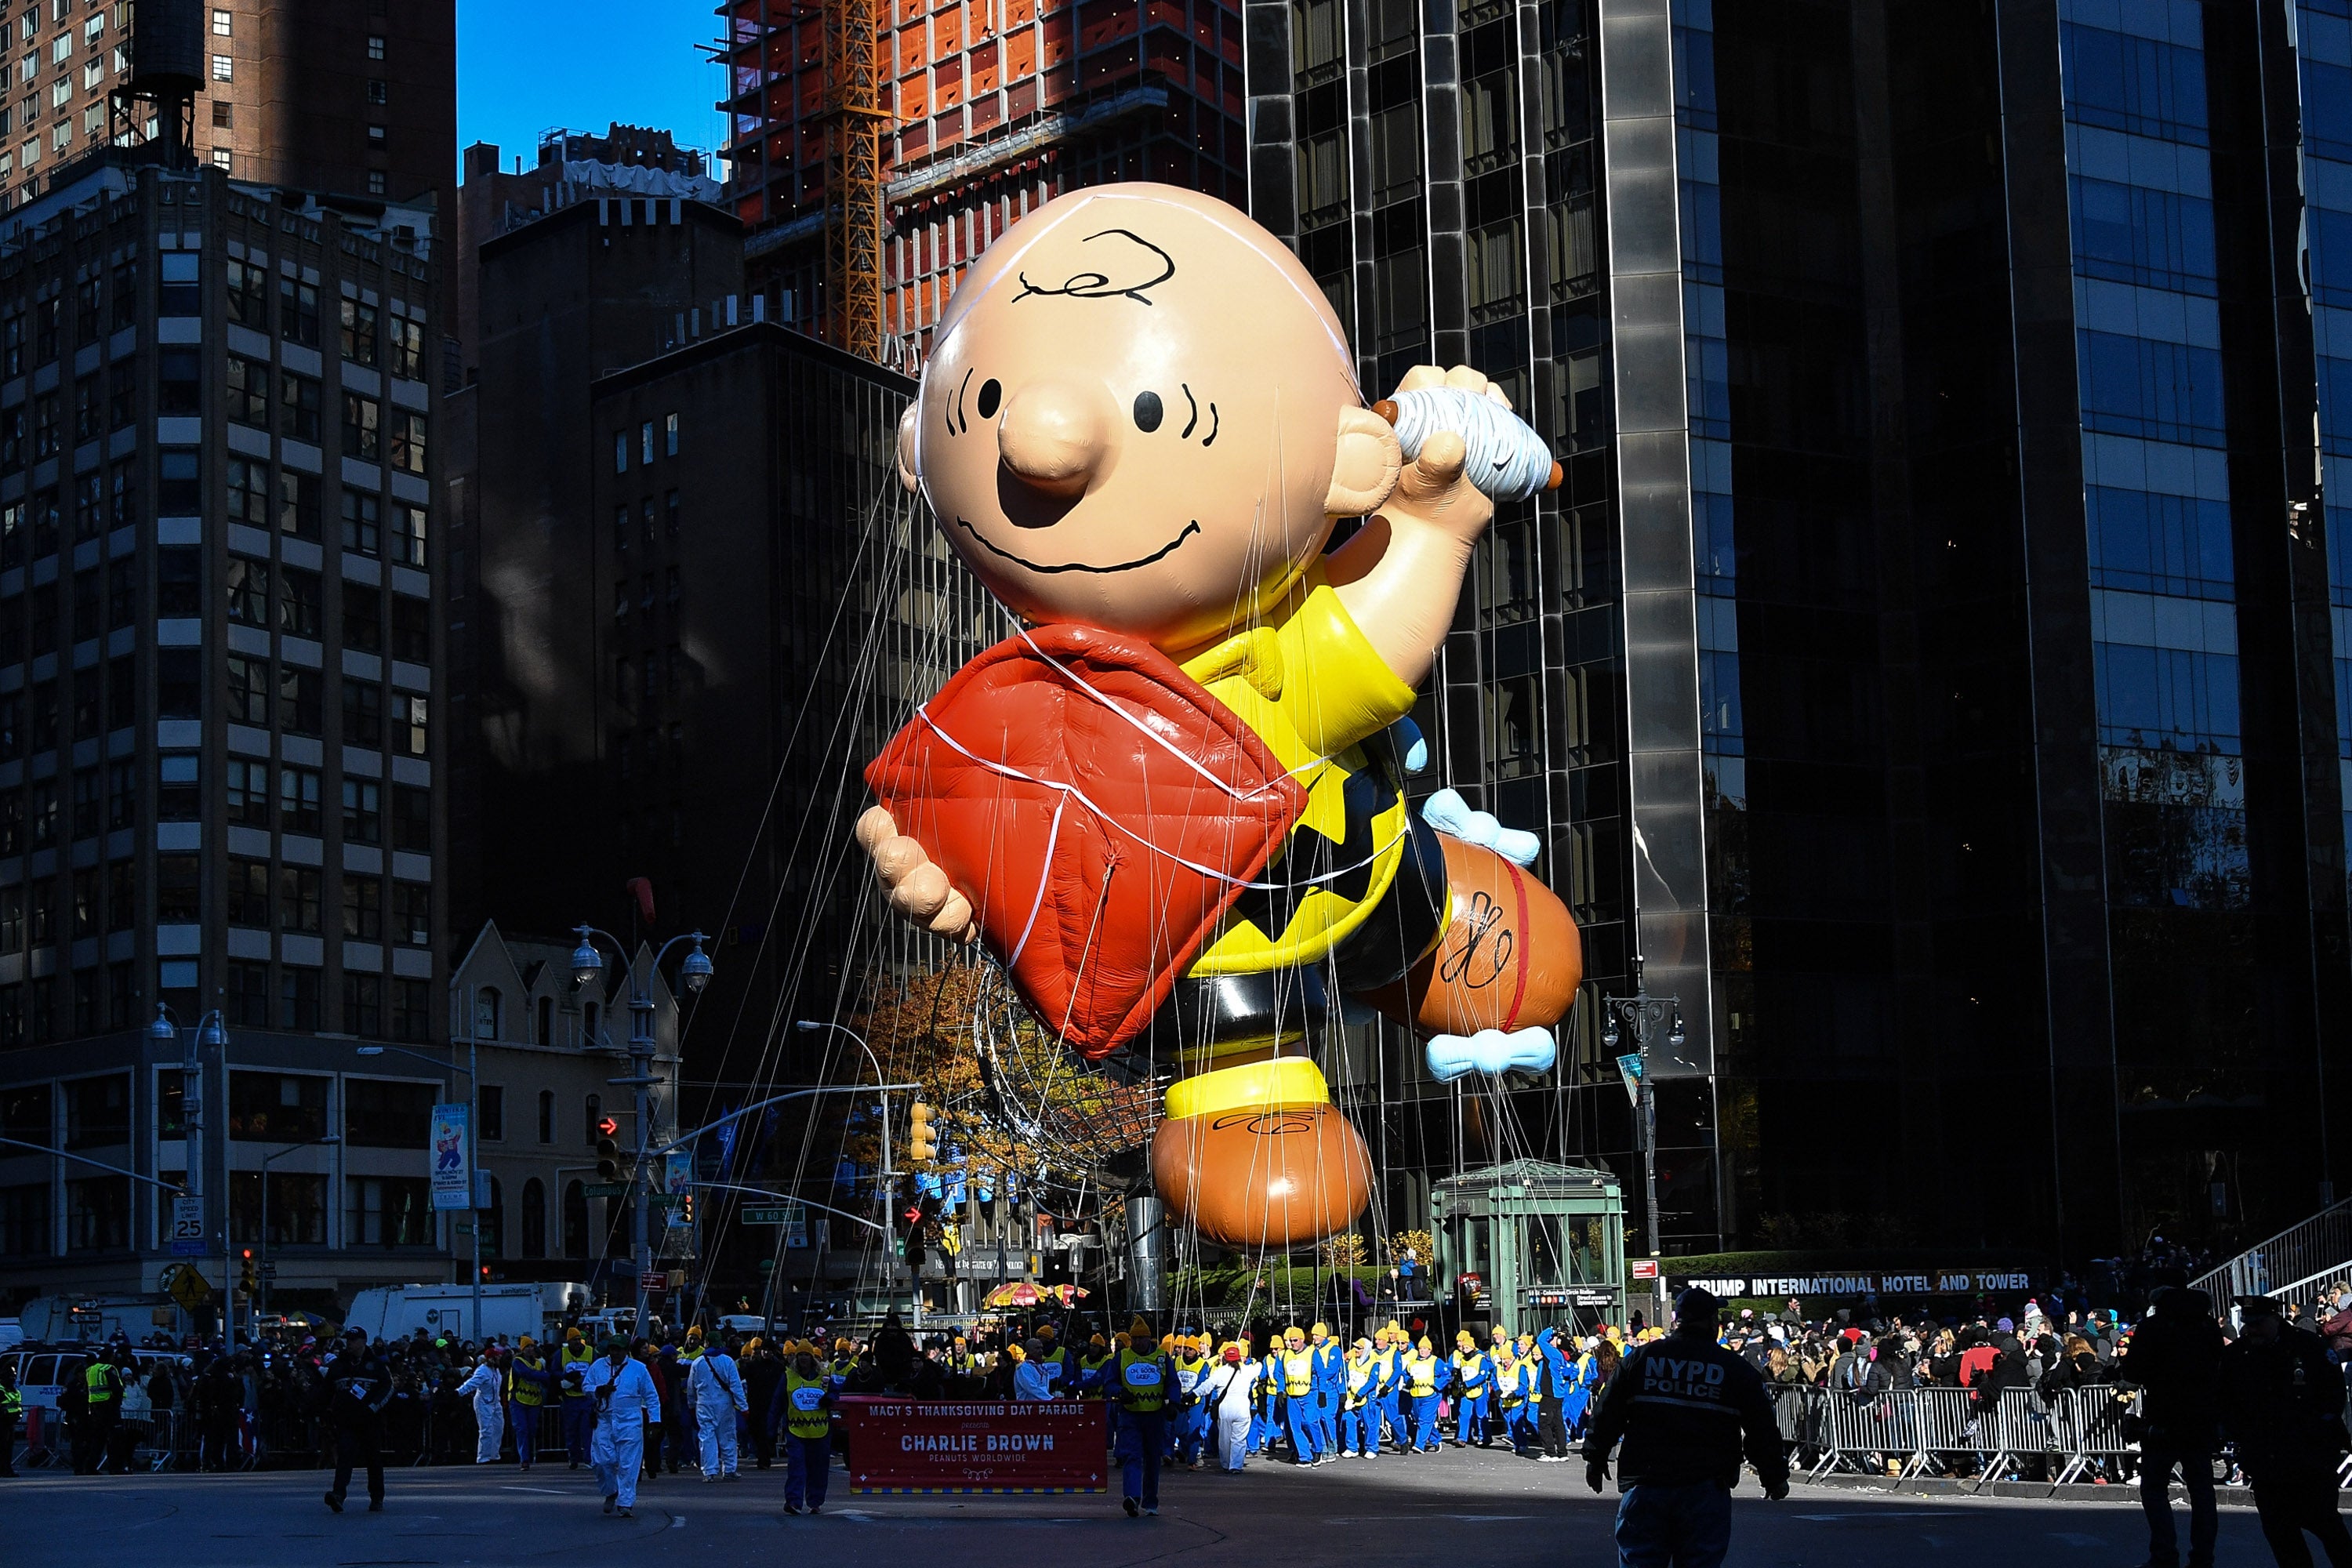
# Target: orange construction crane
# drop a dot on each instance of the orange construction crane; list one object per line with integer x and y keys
{"x": 853, "y": 178}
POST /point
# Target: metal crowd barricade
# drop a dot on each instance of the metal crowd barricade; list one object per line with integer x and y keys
{"x": 1907, "y": 1433}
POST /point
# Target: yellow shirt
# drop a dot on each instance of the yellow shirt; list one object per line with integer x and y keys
{"x": 1313, "y": 688}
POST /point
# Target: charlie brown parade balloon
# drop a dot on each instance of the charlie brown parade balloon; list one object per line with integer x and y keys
{"x": 1171, "y": 804}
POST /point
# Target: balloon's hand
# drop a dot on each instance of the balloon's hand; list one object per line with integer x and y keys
{"x": 1433, "y": 490}
{"x": 918, "y": 890}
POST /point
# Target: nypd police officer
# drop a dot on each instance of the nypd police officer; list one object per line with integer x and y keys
{"x": 1685, "y": 1408}
{"x": 2283, "y": 1408}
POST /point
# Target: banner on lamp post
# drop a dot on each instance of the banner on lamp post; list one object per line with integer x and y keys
{"x": 452, "y": 1155}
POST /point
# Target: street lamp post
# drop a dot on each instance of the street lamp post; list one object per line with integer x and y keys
{"x": 261, "y": 1297}
{"x": 881, "y": 1177}
{"x": 473, "y": 1147}
{"x": 211, "y": 1030}
{"x": 1642, "y": 1014}
{"x": 694, "y": 971}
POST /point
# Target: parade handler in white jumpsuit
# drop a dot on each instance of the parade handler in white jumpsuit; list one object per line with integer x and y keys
{"x": 625, "y": 1400}
{"x": 488, "y": 1387}
{"x": 716, "y": 1387}
{"x": 1226, "y": 1393}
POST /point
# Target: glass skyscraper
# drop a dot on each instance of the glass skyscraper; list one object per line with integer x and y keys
{"x": 1934, "y": 665}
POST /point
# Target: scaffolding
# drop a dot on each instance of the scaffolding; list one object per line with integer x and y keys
{"x": 853, "y": 178}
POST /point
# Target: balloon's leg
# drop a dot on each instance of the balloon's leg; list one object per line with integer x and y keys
{"x": 1256, "y": 1156}
{"x": 1510, "y": 958}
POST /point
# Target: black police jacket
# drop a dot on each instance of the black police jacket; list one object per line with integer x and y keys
{"x": 1686, "y": 1408}
{"x": 2283, "y": 1406}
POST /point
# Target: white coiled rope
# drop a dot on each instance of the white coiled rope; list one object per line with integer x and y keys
{"x": 1506, "y": 458}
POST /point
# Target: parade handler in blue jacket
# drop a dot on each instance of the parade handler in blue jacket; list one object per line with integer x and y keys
{"x": 1686, "y": 1409}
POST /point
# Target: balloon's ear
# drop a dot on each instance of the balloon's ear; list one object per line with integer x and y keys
{"x": 907, "y": 443}
{"x": 1364, "y": 463}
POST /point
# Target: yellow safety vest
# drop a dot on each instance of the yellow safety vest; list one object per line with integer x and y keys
{"x": 1507, "y": 1383}
{"x": 94, "y": 1381}
{"x": 1298, "y": 1373}
{"x": 1145, "y": 1379}
{"x": 805, "y": 1415}
{"x": 581, "y": 1359}
{"x": 1422, "y": 1370}
{"x": 1469, "y": 1365}
{"x": 1359, "y": 1382}
{"x": 1089, "y": 1366}
{"x": 526, "y": 1391}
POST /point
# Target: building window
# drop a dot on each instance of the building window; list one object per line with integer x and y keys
{"x": 486, "y": 1007}
{"x": 407, "y": 542}
{"x": 277, "y": 1108}
{"x": 363, "y": 712}
{"x": 362, "y": 907}
{"x": 299, "y": 397}
{"x": 248, "y": 691}
{"x": 300, "y": 703}
{"x": 362, "y": 523}
{"x": 621, "y": 451}
{"x": 388, "y": 1211}
{"x": 249, "y": 992}
{"x": 412, "y": 820}
{"x": 407, "y": 442}
{"x": 224, "y": 114}
{"x": 298, "y": 799}
{"x": 220, "y": 23}
{"x": 297, "y": 504}
{"x": 297, "y": 311}
{"x": 534, "y": 1219}
{"x": 669, "y": 435}
{"x": 375, "y": 47}
{"x": 546, "y": 1096}
{"x": 492, "y": 1101}
{"x": 363, "y": 427}
{"x": 409, "y": 730}
{"x": 362, "y": 814}
{"x": 298, "y": 898}
{"x": 298, "y": 1008}
{"x": 410, "y": 1019}
{"x": 412, "y": 914}
{"x": 179, "y": 891}
{"x": 248, "y": 791}
{"x": 364, "y": 1005}
{"x": 408, "y": 335}
{"x": 358, "y": 332}
{"x": 576, "y": 1219}
{"x": 249, "y": 901}
{"x": 98, "y": 1213}
{"x": 362, "y": 617}
{"x": 595, "y": 1106}
{"x": 223, "y": 67}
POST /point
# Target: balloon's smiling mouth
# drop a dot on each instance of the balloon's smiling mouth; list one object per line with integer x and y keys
{"x": 1190, "y": 529}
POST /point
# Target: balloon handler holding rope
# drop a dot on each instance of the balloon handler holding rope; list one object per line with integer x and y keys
{"x": 1171, "y": 804}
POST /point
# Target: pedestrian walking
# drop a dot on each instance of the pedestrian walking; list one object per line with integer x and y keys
{"x": 1685, "y": 1407}
{"x": 2282, "y": 1405}
{"x": 486, "y": 1387}
{"x": 718, "y": 1397}
{"x": 807, "y": 1394}
{"x": 1143, "y": 1382}
{"x": 625, "y": 1400}
{"x": 579, "y": 1411}
{"x": 2176, "y": 1358}
{"x": 529, "y": 1380}
{"x": 359, "y": 1388}
{"x": 100, "y": 1408}
{"x": 1230, "y": 1392}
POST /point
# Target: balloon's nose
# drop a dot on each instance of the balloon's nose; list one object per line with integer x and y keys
{"x": 1054, "y": 436}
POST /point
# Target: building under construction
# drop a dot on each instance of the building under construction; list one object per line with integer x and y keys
{"x": 879, "y": 147}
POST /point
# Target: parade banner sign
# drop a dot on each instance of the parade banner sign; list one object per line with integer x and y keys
{"x": 982, "y": 1445}
{"x": 452, "y": 1157}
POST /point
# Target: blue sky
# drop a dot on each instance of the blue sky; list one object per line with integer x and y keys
{"x": 526, "y": 66}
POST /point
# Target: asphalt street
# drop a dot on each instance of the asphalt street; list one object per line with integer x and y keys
{"x": 1472, "y": 1508}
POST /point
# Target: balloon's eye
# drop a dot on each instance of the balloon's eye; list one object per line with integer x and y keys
{"x": 991, "y": 394}
{"x": 1146, "y": 412}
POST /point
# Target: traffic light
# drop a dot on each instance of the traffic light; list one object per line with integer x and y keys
{"x": 922, "y": 1137}
{"x": 247, "y": 1280}
{"x": 608, "y": 1155}
{"x": 607, "y": 1126}
{"x": 911, "y": 1216}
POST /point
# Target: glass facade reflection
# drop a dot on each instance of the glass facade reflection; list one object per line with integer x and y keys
{"x": 1934, "y": 665}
